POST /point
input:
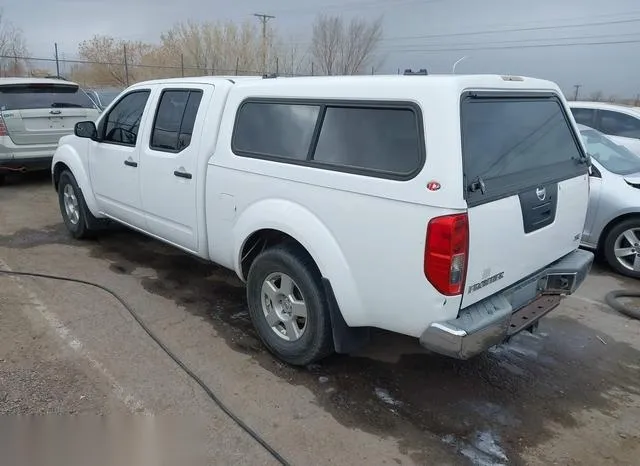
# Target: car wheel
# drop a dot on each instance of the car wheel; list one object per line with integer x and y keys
{"x": 288, "y": 306}
{"x": 72, "y": 206}
{"x": 622, "y": 248}
{"x": 2, "y": 179}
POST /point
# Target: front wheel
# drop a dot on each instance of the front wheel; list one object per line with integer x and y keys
{"x": 288, "y": 307}
{"x": 72, "y": 206}
{"x": 622, "y": 248}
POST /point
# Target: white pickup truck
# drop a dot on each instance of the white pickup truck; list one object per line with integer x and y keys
{"x": 447, "y": 208}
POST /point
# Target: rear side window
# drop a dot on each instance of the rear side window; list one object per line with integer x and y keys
{"x": 378, "y": 139}
{"x": 384, "y": 141}
{"x": 584, "y": 116}
{"x": 175, "y": 118}
{"x": 619, "y": 124}
{"x": 274, "y": 129}
{"x": 36, "y": 96}
{"x": 510, "y": 144}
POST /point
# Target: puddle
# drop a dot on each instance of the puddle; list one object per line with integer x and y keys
{"x": 31, "y": 238}
{"x": 488, "y": 409}
{"x": 384, "y": 396}
{"x": 483, "y": 449}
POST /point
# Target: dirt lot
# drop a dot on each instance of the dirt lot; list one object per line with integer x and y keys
{"x": 567, "y": 395}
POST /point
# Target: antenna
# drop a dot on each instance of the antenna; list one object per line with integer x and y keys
{"x": 453, "y": 69}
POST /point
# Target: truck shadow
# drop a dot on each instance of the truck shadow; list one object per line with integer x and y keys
{"x": 29, "y": 179}
{"x": 488, "y": 409}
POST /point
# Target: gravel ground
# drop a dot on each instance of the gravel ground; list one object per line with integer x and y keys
{"x": 569, "y": 394}
{"x": 38, "y": 375}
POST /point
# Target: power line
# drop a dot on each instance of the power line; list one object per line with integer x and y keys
{"x": 503, "y": 42}
{"x": 351, "y": 6}
{"x": 518, "y": 46}
{"x": 500, "y": 31}
{"x": 613, "y": 16}
{"x": 494, "y": 31}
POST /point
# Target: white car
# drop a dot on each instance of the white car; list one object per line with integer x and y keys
{"x": 620, "y": 123}
{"x": 447, "y": 208}
{"x": 34, "y": 114}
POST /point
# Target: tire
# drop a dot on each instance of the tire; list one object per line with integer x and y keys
{"x": 266, "y": 292}
{"x": 78, "y": 219}
{"x": 2, "y": 179}
{"x": 624, "y": 236}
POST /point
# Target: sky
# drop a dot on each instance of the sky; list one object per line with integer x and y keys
{"x": 430, "y": 34}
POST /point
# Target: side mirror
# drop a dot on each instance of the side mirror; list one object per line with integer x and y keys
{"x": 86, "y": 129}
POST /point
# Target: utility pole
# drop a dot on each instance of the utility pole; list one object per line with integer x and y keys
{"x": 57, "y": 62}
{"x": 126, "y": 65}
{"x": 577, "y": 87}
{"x": 264, "y": 19}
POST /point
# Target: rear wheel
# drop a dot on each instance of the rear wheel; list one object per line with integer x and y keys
{"x": 1, "y": 179}
{"x": 622, "y": 248}
{"x": 288, "y": 306}
{"x": 72, "y": 207}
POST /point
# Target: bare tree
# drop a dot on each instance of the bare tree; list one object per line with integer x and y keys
{"x": 289, "y": 59}
{"x": 105, "y": 61}
{"x": 13, "y": 49}
{"x": 326, "y": 43}
{"x": 215, "y": 48}
{"x": 596, "y": 96}
{"x": 341, "y": 48}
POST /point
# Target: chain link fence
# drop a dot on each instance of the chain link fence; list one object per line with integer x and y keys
{"x": 123, "y": 73}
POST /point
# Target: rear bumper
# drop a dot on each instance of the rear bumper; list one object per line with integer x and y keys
{"x": 25, "y": 164}
{"x": 24, "y": 157}
{"x": 491, "y": 321}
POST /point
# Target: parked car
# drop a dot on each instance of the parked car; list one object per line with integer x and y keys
{"x": 613, "y": 217}
{"x": 346, "y": 203}
{"x": 103, "y": 97}
{"x": 620, "y": 123}
{"x": 34, "y": 115}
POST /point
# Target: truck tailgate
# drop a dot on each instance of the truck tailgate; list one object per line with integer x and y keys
{"x": 527, "y": 188}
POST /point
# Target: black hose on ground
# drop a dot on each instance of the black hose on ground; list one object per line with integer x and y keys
{"x": 613, "y": 300}
{"x": 272, "y": 451}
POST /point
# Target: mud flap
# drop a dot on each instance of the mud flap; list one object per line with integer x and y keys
{"x": 345, "y": 339}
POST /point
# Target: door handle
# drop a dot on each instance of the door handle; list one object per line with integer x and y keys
{"x": 182, "y": 174}
{"x": 55, "y": 112}
{"x": 130, "y": 163}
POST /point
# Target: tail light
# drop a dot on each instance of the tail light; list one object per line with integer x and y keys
{"x": 446, "y": 253}
{"x": 3, "y": 127}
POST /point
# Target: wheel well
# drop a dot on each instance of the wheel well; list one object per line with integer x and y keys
{"x": 612, "y": 224}
{"x": 265, "y": 239}
{"x": 345, "y": 339}
{"x": 57, "y": 171}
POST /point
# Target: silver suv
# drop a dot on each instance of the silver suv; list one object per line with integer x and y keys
{"x": 34, "y": 115}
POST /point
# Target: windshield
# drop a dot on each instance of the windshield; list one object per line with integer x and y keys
{"x": 31, "y": 96}
{"x": 617, "y": 159}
